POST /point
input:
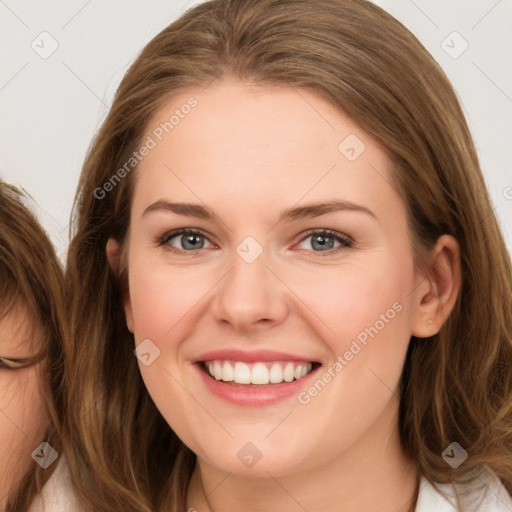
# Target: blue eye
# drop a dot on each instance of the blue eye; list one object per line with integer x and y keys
{"x": 324, "y": 241}
{"x": 191, "y": 240}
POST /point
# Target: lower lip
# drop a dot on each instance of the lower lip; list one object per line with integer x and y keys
{"x": 247, "y": 395}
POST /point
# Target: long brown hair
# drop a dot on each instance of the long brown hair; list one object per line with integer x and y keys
{"x": 32, "y": 276}
{"x": 457, "y": 386}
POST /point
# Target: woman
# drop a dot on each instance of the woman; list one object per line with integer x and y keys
{"x": 257, "y": 135}
{"x": 31, "y": 332}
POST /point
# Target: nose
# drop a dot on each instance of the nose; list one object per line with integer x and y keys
{"x": 251, "y": 296}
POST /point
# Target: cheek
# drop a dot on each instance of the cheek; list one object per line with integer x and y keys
{"x": 342, "y": 303}
{"x": 23, "y": 421}
{"x": 357, "y": 300}
{"x": 162, "y": 296}
{"x": 370, "y": 314}
{"x": 359, "y": 311}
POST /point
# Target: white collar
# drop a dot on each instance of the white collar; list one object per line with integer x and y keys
{"x": 485, "y": 493}
{"x": 57, "y": 494}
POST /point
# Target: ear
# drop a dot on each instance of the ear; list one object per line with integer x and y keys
{"x": 113, "y": 257}
{"x": 437, "y": 293}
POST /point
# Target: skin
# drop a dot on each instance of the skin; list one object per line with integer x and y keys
{"x": 23, "y": 416}
{"x": 248, "y": 153}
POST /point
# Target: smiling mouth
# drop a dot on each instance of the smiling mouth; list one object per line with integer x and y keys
{"x": 266, "y": 373}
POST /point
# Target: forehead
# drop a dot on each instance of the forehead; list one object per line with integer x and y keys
{"x": 266, "y": 143}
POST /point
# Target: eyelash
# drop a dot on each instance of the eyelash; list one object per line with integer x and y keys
{"x": 13, "y": 364}
{"x": 347, "y": 242}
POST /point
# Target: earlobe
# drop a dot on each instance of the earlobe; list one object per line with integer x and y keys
{"x": 113, "y": 257}
{"x": 437, "y": 293}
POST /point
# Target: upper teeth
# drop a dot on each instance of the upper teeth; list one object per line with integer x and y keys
{"x": 257, "y": 373}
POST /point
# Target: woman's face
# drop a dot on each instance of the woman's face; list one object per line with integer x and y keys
{"x": 23, "y": 416}
{"x": 258, "y": 293}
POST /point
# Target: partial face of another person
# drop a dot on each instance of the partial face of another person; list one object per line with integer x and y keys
{"x": 263, "y": 287}
{"x": 23, "y": 416}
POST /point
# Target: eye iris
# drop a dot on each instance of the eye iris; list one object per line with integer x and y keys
{"x": 321, "y": 239}
{"x": 189, "y": 239}
{"x": 323, "y": 242}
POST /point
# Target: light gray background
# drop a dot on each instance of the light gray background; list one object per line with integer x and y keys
{"x": 51, "y": 107}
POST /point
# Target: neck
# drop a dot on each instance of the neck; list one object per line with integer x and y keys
{"x": 373, "y": 474}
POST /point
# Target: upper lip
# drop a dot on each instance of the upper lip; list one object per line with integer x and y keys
{"x": 250, "y": 356}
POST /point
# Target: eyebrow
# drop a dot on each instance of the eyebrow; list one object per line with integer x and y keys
{"x": 289, "y": 214}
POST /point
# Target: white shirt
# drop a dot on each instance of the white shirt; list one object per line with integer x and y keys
{"x": 57, "y": 494}
{"x": 487, "y": 494}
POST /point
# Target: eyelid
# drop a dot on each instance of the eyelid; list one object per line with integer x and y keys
{"x": 346, "y": 241}
{"x": 16, "y": 363}
{"x": 326, "y": 232}
{"x": 164, "y": 239}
